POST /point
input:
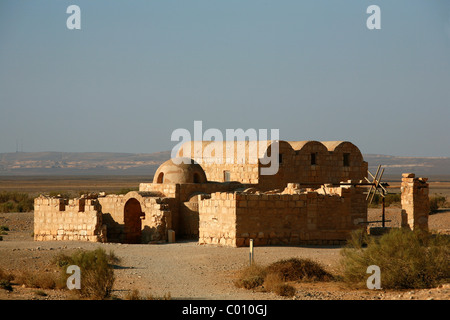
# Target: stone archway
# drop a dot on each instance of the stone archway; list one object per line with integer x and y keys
{"x": 132, "y": 221}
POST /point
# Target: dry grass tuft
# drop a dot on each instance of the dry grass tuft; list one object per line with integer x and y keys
{"x": 295, "y": 269}
{"x": 275, "y": 276}
{"x": 251, "y": 277}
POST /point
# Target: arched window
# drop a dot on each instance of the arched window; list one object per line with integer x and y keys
{"x": 160, "y": 178}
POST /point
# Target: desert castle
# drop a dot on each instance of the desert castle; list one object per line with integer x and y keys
{"x": 315, "y": 197}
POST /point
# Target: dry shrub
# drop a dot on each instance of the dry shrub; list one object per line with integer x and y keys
{"x": 251, "y": 277}
{"x": 166, "y": 296}
{"x": 275, "y": 275}
{"x": 5, "y": 275}
{"x": 295, "y": 269}
{"x": 5, "y": 280}
{"x": 135, "y": 295}
{"x": 13, "y": 201}
{"x": 97, "y": 273}
{"x": 36, "y": 279}
{"x": 437, "y": 202}
{"x": 285, "y": 290}
{"x": 407, "y": 259}
{"x": 274, "y": 283}
{"x": 5, "y": 284}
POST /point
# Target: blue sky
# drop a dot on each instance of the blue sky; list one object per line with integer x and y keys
{"x": 137, "y": 70}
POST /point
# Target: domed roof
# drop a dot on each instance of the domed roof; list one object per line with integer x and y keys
{"x": 183, "y": 170}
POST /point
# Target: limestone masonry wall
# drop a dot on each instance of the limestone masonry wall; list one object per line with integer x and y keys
{"x": 306, "y": 162}
{"x": 217, "y": 219}
{"x": 271, "y": 219}
{"x": 297, "y": 205}
{"x": 156, "y": 216}
{"x": 60, "y": 219}
{"x": 166, "y": 189}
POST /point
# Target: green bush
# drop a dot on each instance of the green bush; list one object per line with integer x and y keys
{"x": 407, "y": 259}
{"x": 97, "y": 273}
{"x": 389, "y": 199}
{"x": 15, "y": 202}
{"x": 392, "y": 198}
{"x": 437, "y": 202}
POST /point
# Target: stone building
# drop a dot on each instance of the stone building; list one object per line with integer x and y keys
{"x": 218, "y": 201}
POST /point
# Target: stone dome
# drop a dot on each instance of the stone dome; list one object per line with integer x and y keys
{"x": 186, "y": 172}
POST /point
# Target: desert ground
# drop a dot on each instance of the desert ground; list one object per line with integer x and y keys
{"x": 185, "y": 270}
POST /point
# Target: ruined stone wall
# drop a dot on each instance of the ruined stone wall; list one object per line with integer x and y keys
{"x": 415, "y": 201}
{"x": 157, "y": 216}
{"x": 188, "y": 219}
{"x": 217, "y": 219}
{"x": 184, "y": 206}
{"x": 272, "y": 219}
{"x": 61, "y": 219}
{"x": 357, "y": 206}
{"x": 112, "y": 207}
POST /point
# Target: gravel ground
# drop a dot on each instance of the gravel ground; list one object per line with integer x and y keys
{"x": 187, "y": 270}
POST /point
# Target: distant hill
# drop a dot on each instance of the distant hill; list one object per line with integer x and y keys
{"x": 80, "y": 163}
{"x": 109, "y": 163}
{"x": 425, "y": 166}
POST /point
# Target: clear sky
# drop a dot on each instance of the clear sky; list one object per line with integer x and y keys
{"x": 137, "y": 70}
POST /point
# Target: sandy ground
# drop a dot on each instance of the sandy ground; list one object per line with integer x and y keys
{"x": 187, "y": 270}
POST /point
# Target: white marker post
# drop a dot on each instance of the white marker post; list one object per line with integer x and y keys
{"x": 251, "y": 252}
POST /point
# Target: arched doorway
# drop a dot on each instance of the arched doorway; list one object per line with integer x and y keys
{"x": 132, "y": 221}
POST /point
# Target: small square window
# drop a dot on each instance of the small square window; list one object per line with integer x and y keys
{"x": 226, "y": 176}
{"x": 280, "y": 158}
